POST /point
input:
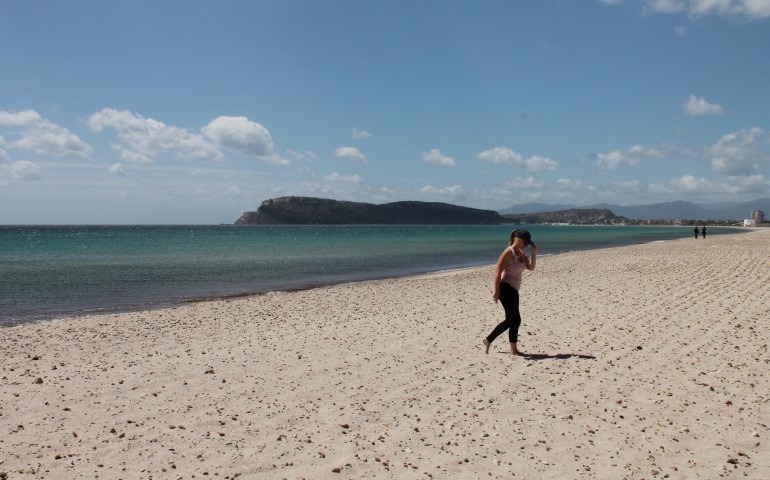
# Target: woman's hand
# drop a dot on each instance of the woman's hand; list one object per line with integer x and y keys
{"x": 496, "y": 296}
{"x": 532, "y": 260}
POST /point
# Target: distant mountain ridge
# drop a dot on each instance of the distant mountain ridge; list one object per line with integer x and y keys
{"x": 679, "y": 210}
{"x": 321, "y": 211}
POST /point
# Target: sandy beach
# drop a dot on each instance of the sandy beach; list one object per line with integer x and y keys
{"x": 648, "y": 361}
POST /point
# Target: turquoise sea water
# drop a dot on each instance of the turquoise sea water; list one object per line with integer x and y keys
{"x": 60, "y": 271}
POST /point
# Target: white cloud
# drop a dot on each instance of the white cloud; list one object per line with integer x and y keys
{"x": 336, "y": 177}
{"x": 36, "y": 134}
{"x": 569, "y": 183}
{"x": 358, "y": 134}
{"x": 22, "y": 170}
{"x": 241, "y": 135}
{"x": 435, "y": 157}
{"x": 630, "y": 157}
{"x": 351, "y": 153}
{"x": 502, "y": 155}
{"x": 729, "y": 187}
{"x": 690, "y": 184}
{"x": 746, "y": 9}
{"x": 694, "y": 106}
{"x": 19, "y": 119}
{"x": 529, "y": 189}
{"x": 537, "y": 163}
{"x": 738, "y": 153}
{"x": 626, "y": 192}
{"x": 747, "y": 184}
{"x": 117, "y": 169}
{"x": 143, "y": 139}
{"x": 529, "y": 183}
{"x": 447, "y": 191}
{"x": 680, "y": 31}
{"x": 739, "y": 9}
{"x": 665, "y": 6}
{"x": 306, "y": 156}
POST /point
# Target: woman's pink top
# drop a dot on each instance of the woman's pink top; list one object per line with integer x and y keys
{"x": 512, "y": 273}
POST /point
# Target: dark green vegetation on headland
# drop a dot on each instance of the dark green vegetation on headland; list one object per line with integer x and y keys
{"x": 320, "y": 211}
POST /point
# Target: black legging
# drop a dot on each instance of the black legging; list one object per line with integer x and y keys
{"x": 509, "y": 297}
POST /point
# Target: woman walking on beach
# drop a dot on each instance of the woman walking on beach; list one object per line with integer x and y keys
{"x": 512, "y": 263}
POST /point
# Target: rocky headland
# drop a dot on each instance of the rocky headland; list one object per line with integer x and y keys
{"x": 321, "y": 211}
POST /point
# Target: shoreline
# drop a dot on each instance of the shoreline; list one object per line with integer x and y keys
{"x": 178, "y": 302}
{"x": 645, "y": 361}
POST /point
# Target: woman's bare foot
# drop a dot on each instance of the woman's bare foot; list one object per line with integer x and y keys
{"x": 515, "y": 351}
{"x": 486, "y": 345}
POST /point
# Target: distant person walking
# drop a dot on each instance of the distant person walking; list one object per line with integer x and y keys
{"x": 703, "y": 232}
{"x": 510, "y": 266}
{"x": 696, "y": 232}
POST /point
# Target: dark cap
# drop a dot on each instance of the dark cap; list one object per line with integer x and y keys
{"x": 524, "y": 235}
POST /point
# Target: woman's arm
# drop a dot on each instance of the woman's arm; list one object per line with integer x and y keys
{"x": 505, "y": 258}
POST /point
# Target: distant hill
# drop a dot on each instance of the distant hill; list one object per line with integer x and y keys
{"x": 679, "y": 210}
{"x": 320, "y": 211}
{"x": 573, "y": 216}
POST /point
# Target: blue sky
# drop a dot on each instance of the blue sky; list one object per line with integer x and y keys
{"x": 195, "y": 111}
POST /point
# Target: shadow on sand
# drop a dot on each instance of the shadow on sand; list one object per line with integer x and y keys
{"x": 560, "y": 356}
